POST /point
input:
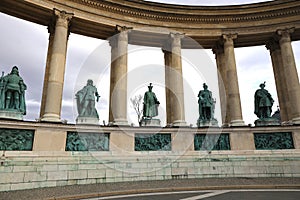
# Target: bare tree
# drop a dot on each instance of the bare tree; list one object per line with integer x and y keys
{"x": 137, "y": 105}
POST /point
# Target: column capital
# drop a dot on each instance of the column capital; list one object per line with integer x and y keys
{"x": 122, "y": 32}
{"x": 272, "y": 45}
{"x": 229, "y": 38}
{"x": 175, "y": 39}
{"x": 120, "y": 29}
{"x": 285, "y": 34}
{"x": 62, "y": 17}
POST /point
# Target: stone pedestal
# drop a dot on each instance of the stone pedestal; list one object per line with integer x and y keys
{"x": 11, "y": 115}
{"x": 150, "y": 122}
{"x": 87, "y": 120}
{"x": 267, "y": 122}
{"x": 205, "y": 123}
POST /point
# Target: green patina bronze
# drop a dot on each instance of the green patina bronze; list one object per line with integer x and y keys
{"x": 206, "y": 108}
{"x": 150, "y": 104}
{"x": 152, "y": 142}
{"x": 263, "y": 102}
{"x": 16, "y": 139}
{"x": 209, "y": 142}
{"x": 206, "y": 104}
{"x": 87, "y": 141}
{"x": 12, "y": 92}
{"x": 86, "y": 100}
{"x": 269, "y": 141}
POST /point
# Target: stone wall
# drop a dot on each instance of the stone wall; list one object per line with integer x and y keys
{"x": 36, "y": 170}
{"x": 50, "y": 163}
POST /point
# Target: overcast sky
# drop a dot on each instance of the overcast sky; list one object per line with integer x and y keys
{"x": 25, "y": 44}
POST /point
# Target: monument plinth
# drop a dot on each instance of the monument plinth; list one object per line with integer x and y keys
{"x": 150, "y": 122}
{"x": 87, "y": 120}
{"x": 10, "y": 114}
{"x": 205, "y": 123}
{"x": 267, "y": 122}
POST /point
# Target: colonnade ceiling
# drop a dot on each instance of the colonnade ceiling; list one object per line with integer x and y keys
{"x": 152, "y": 22}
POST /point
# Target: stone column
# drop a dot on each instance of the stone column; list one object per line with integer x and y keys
{"x": 290, "y": 73}
{"x": 118, "y": 77}
{"x": 51, "y": 29}
{"x": 175, "y": 98}
{"x": 218, "y": 50}
{"x": 56, "y": 71}
{"x": 281, "y": 86}
{"x": 233, "y": 94}
{"x": 169, "y": 110}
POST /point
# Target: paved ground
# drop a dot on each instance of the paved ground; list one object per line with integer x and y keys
{"x": 274, "y": 194}
{"x": 96, "y": 190}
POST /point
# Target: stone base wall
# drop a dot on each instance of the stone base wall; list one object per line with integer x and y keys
{"x": 35, "y": 170}
{"x": 52, "y": 163}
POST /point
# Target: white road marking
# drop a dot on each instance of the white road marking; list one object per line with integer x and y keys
{"x": 207, "y": 195}
{"x": 149, "y": 194}
{"x": 210, "y": 193}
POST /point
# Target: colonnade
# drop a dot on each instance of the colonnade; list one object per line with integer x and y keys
{"x": 286, "y": 78}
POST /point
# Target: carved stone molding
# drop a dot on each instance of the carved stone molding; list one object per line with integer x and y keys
{"x": 191, "y": 17}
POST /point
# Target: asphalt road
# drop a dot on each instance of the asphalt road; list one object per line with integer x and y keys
{"x": 211, "y": 195}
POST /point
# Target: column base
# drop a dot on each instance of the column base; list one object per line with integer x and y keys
{"x": 51, "y": 118}
{"x": 225, "y": 125}
{"x": 179, "y": 123}
{"x": 237, "y": 123}
{"x": 296, "y": 120}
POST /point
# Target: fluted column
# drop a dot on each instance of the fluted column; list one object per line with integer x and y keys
{"x": 218, "y": 50}
{"x": 290, "y": 73}
{"x": 118, "y": 77}
{"x": 279, "y": 75}
{"x": 175, "y": 98}
{"x": 235, "y": 110}
{"x": 56, "y": 71}
{"x": 167, "y": 57}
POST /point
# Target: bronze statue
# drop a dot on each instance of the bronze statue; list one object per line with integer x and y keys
{"x": 206, "y": 104}
{"x": 86, "y": 100}
{"x": 263, "y": 102}
{"x": 12, "y": 92}
{"x": 150, "y": 103}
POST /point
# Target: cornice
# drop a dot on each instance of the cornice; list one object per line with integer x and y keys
{"x": 152, "y": 22}
{"x": 234, "y": 15}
